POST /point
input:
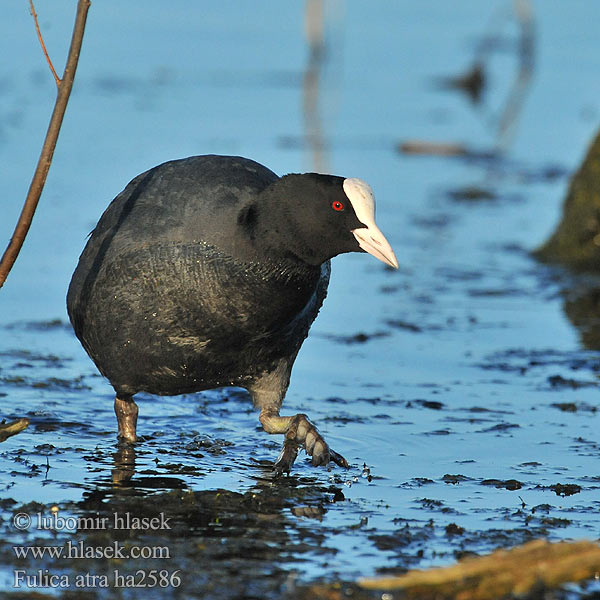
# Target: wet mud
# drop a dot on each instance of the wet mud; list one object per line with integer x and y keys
{"x": 438, "y": 473}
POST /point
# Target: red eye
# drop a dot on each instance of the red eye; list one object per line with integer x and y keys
{"x": 337, "y": 205}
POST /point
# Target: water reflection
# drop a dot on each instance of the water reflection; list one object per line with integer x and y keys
{"x": 312, "y": 118}
{"x": 124, "y": 463}
{"x": 582, "y": 308}
{"x": 223, "y": 543}
{"x": 526, "y": 54}
{"x": 473, "y": 82}
{"x": 318, "y": 14}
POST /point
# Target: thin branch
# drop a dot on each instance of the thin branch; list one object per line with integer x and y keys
{"x": 41, "y": 172}
{"x": 39, "y": 34}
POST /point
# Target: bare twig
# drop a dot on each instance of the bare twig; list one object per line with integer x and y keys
{"x": 41, "y": 171}
{"x": 39, "y": 34}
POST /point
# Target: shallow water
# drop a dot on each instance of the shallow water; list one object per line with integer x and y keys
{"x": 462, "y": 388}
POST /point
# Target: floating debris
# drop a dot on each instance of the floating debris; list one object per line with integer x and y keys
{"x": 357, "y": 338}
{"x": 565, "y": 489}
{"x": 509, "y": 484}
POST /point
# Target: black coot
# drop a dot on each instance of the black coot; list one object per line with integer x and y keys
{"x": 208, "y": 272}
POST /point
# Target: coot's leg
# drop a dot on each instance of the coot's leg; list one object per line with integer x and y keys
{"x": 267, "y": 394}
{"x": 127, "y": 413}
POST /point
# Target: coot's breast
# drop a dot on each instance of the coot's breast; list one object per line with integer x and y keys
{"x": 173, "y": 319}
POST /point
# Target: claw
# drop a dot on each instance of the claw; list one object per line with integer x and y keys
{"x": 338, "y": 459}
{"x": 286, "y": 458}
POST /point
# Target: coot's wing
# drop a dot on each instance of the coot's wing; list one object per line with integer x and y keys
{"x": 188, "y": 200}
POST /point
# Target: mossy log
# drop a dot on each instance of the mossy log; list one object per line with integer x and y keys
{"x": 537, "y": 565}
{"x": 12, "y": 428}
{"x": 576, "y": 240}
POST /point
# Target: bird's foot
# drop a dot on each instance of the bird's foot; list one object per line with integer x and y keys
{"x": 302, "y": 433}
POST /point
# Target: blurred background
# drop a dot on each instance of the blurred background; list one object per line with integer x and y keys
{"x": 330, "y": 86}
{"x": 467, "y": 120}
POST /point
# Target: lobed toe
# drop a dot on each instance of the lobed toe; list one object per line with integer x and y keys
{"x": 320, "y": 453}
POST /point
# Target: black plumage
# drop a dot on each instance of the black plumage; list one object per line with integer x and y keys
{"x": 208, "y": 272}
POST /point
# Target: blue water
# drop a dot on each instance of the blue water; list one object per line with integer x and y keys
{"x": 469, "y": 320}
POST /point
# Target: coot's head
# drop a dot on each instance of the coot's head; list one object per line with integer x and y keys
{"x": 317, "y": 217}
